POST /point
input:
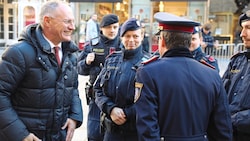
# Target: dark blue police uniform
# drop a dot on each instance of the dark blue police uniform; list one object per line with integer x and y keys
{"x": 115, "y": 88}
{"x": 202, "y": 57}
{"x": 175, "y": 101}
{"x": 208, "y": 60}
{"x": 236, "y": 82}
{"x": 101, "y": 46}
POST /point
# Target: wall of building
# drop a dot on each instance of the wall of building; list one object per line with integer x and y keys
{"x": 222, "y": 6}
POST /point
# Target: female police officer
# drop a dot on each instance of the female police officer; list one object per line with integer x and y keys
{"x": 115, "y": 85}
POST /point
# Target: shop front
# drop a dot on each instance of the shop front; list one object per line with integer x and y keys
{"x": 196, "y": 10}
{"x": 85, "y": 8}
{"x": 142, "y": 10}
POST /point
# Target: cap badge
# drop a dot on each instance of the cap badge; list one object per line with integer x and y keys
{"x": 160, "y": 28}
{"x": 138, "y": 23}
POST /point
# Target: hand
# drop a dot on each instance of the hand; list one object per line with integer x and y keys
{"x": 71, "y": 126}
{"x": 31, "y": 137}
{"x": 203, "y": 44}
{"x": 216, "y": 44}
{"x": 117, "y": 115}
{"x": 90, "y": 58}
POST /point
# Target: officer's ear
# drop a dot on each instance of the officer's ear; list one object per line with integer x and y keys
{"x": 162, "y": 42}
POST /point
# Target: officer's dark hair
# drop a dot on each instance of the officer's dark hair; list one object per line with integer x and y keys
{"x": 177, "y": 39}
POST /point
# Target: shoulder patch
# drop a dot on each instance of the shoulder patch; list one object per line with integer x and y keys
{"x": 210, "y": 58}
{"x": 138, "y": 88}
{"x": 152, "y": 59}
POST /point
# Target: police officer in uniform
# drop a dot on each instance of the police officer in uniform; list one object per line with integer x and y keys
{"x": 236, "y": 80}
{"x": 90, "y": 63}
{"x": 174, "y": 100}
{"x": 115, "y": 85}
{"x": 197, "y": 52}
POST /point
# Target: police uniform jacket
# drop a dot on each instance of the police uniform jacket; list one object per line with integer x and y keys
{"x": 101, "y": 50}
{"x": 176, "y": 101}
{"x": 37, "y": 96}
{"x": 199, "y": 55}
{"x": 115, "y": 85}
{"x": 236, "y": 81}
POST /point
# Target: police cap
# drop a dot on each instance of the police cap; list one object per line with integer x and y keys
{"x": 244, "y": 17}
{"x": 130, "y": 25}
{"x": 173, "y": 23}
{"x": 109, "y": 19}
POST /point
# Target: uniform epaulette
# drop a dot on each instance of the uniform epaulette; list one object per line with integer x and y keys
{"x": 87, "y": 43}
{"x": 114, "y": 53}
{"x": 152, "y": 59}
{"x": 207, "y": 64}
{"x": 237, "y": 54}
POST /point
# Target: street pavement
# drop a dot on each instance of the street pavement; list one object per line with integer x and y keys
{"x": 81, "y": 132}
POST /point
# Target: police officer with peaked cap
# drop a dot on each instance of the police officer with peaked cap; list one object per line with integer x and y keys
{"x": 236, "y": 81}
{"x": 115, "y": 85}
{"x": 177, "y": 98}
{"x": 90, "y": 63}
{"x": 198, "y": 53}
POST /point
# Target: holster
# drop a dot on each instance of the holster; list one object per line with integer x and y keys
{"x": 89, "y": 92}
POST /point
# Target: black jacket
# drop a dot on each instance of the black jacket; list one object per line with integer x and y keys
{"x": 236, "y": 82}
{"x": 176, "y": 101}
{"x": 35, "y": 94}
{"x": 115, "y": 84}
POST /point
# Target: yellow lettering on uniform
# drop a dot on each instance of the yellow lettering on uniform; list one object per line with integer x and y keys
{"x": 235, "y": 71}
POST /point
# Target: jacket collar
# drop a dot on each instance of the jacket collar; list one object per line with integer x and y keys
{"x": 178, "y": 52}
{"x": 33, "y": 34}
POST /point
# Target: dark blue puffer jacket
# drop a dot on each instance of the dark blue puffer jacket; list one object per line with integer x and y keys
{"x": 35, "y": 94}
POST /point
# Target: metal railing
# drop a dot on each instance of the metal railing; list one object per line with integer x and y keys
{"x": 223, "y": 53}
{"x": 225, "y": 50}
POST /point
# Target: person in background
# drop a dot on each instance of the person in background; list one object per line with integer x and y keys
{"x": 39, "y": 99}
{"x": 197, "y": 52}
{"x": 187, "y": 101}
{"x": 208, "y": 43}
{"x": 91, "y": 61}
{"x": 92, "y": 28}
{"x": 236, "y": 83}
{"x": 115, "y": 85}
{"x": 145, "y": 41}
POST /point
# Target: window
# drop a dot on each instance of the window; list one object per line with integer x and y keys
{"x": 1, "y": 22}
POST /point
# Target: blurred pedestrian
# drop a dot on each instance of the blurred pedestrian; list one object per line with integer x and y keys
{"x": 178, "y": 98}
{"x": 145, "y": 41}
{"x": 90, "y": 62}
{"x": 236, "y": 81}
{"x": 198, "y": 53}
{"x": 115, "y": 85}
{"x": 208, "y": 43}
{"x": 92, "y": 28}
{"x": 39, "y": 99}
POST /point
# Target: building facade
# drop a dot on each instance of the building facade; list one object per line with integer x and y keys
{"x": 16, "y": 14}
{"x": 143, "y": 10}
